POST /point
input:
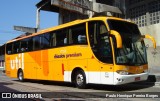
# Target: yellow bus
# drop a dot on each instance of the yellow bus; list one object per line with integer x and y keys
{"x": 99, "y": 50}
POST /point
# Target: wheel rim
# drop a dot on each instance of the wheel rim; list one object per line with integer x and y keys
{"x": 79, "y": 79}
{"x": 20, "y": 76}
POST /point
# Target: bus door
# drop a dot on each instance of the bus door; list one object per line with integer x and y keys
{"x": 104, "y": 54}
{"x": 101, "y": 48}
{"x": 107, "y": 73}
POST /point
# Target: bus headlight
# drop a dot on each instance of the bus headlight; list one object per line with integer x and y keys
{"x": 122, "y": 72}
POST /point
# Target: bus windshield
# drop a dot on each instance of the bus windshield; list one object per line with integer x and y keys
{"x": 133, "y": 51}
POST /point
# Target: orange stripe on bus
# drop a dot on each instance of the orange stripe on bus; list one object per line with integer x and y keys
{"x": 45, "y": 62}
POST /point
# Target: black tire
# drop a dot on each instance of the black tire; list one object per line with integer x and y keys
{"x": 80, "y": 79}
{"x": 20, "y": 75}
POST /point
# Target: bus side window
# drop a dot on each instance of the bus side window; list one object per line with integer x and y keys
{"x": 82, "y": 39}
{"x": 9, "y": 48}
{"x": 65, "y": 41}
{"x": 24, "y": 46}
{"x": 102, "y": 29}
{"x": 45, "y": 41}
{"x": 53, "y": 39}
{"x": 61, "y": 37}
{"x": 77, "y": 34}
{"x": 99, "y": 41}
{"x": 16, "y": 47}
{"x": 92, "y": 30}
{"x": 36, "y": 43}
{"x": 30, "y": 44}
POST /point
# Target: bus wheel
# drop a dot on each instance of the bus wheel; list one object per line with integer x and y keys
{"x": 80, "y": 79}
{"x": 20, "y": 75}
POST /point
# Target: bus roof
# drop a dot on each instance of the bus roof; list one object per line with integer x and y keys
{"x": 64, "y": 26}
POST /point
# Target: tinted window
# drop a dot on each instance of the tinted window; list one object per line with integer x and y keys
{"x": 30, "y": 44}
{"x": 61, "y": 37}
{"x": 9, "y": 48}
{"x": 77, "y": 34}
{"x": 45, "y": 41}
{"x": 2, "y": 50}
{"x": 16, "y": 47}
{"x": 24, "y": 45}
{"x": 36, "y": 43}
{"x": 53, "y": 39}
{"x": 99, "y": 41}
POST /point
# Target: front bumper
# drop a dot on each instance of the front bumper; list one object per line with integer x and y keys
{"x": 123, "y": 79}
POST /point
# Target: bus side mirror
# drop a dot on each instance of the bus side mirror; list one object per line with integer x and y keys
{"x": 151, "y": 38}
{"x": 118, "y": 38}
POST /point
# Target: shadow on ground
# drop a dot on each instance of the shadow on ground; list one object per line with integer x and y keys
{"x": 125, "y": 87}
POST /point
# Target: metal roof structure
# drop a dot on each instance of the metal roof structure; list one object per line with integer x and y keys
{"x": 46, "y": 6}
{"x": 75, "y": 6}
{"x": 82, "y": 7}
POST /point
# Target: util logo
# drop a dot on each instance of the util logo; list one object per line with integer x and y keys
{"x": 18, "y": 62}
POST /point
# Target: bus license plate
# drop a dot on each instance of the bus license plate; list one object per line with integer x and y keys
{"x": 137, "y": 78}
